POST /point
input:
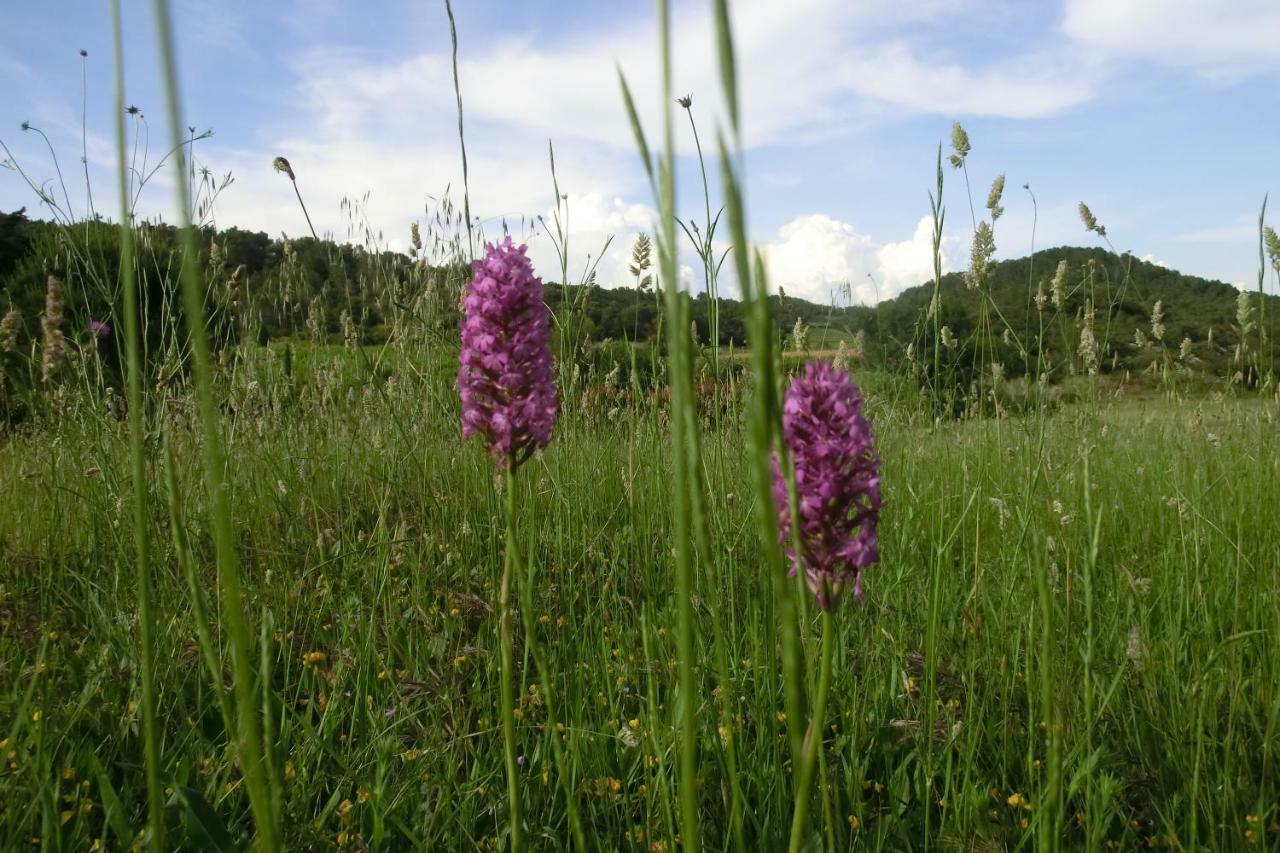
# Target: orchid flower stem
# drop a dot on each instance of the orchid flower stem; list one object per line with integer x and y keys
{"x": 507, "y": 688}
{"x": 813, "y": 739}
{"x": 544, "y": 673}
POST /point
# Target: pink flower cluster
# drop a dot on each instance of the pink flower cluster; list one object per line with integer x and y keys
{"x": 837, "y": 482}
{"x": 505, "y": 379}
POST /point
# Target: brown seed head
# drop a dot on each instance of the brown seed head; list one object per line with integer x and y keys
{"x": 280, "y": 164}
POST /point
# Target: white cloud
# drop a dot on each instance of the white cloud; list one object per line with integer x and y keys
{"x": 569, "y": 89}
{"x": 359, "y": 125}
{"x": 1022, "y": 87}
{"x": 1238, "y": 37}
{"x": 592, "y": 219}
{"x": 815, "y": 256}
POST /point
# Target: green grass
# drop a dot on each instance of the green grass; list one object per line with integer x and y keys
{"x": 371, "y": 536}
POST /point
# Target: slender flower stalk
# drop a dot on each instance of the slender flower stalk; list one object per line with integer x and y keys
{"x": 251, "y": 750}
{"x": 508, "y": 396}
{"x": 137, "y": 454}
{"x": 832, "y": 523}
{"x": 462, "y": 139}
{"x": 813, "y": 736}
{"x": 764, "y": 414}
{"x": 280, "y": 164}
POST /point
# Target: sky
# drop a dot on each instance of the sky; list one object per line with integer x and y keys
{"x": 1161, "y": 116}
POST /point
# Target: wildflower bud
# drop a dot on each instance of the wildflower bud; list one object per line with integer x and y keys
{"x": 280, "y": 164}
{"x": 837, "y": 482}
{"x": 505, "y": 379}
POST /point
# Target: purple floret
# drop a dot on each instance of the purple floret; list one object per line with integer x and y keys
{"x": 505, "y": 379}
{"x": 837, "y": 482}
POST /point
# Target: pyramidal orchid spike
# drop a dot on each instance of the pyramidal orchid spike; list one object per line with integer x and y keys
{"x": 505, "y": 378}
{"x": 837, "y": 475}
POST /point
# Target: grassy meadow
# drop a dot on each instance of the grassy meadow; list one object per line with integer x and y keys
{"x": 257, "y": 592}
{"x": 1100, "y": 583}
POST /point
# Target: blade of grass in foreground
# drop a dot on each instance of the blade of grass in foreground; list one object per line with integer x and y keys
{"x": 682, "y": 417}
{"x": 249, "y": 743}
{"x": 688, "y": 522}
{"x": 138, "y": 466}
{"x": 765, "y": 412}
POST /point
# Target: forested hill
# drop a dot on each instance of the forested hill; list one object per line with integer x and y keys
{"x": 289, "y": 284}
{"x": 1121, "y": 290}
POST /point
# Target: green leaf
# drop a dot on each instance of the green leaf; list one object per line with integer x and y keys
{"x": 203, "y": 828}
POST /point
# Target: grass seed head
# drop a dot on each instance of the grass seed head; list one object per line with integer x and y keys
{"x": 53, "y": 354}
{"x": 959, "y": 145}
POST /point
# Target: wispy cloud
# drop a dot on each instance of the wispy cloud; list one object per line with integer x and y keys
{"x": 1221, "y": 39}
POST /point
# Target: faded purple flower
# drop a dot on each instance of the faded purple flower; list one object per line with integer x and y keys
{"x": 99, "y": 329}
{"x": 505, "y": 380}
{"x": 837, "y": 482}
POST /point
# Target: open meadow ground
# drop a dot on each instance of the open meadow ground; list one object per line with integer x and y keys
{"x": 1073, "y": 631}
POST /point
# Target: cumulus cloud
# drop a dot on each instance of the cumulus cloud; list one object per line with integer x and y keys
{"x": 816, "y": 256}
{"x": 592, "y": 219}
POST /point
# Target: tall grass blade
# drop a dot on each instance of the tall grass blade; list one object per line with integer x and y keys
{"x": 138, "y": 463}
{"x": 249, "y": 742}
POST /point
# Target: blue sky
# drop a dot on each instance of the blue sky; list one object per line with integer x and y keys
{"x": 1163, "y": 117}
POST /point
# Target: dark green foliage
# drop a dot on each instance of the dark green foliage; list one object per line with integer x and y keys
{"x": 280, "y": 285}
